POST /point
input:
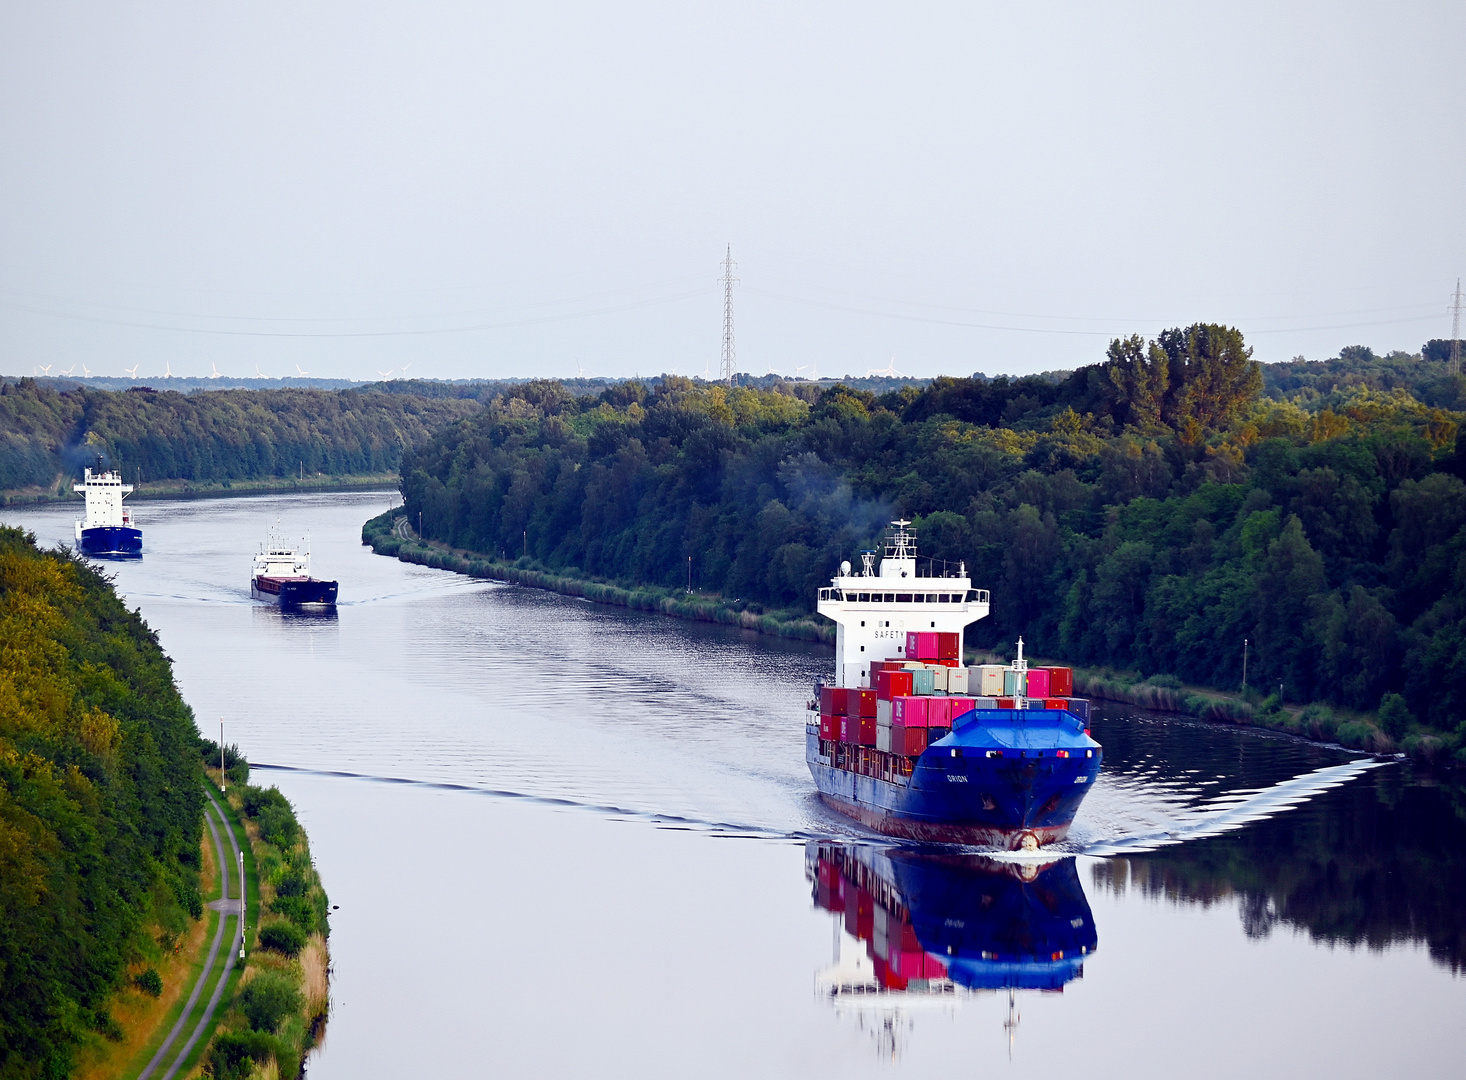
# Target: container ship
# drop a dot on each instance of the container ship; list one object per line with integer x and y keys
{"x": 930, "y": 923}
{"x": 911, "y": 743}
{"x": 282, "y": 576}
{"x": 108, "y": 531}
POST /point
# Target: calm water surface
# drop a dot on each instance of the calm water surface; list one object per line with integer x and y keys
{"x": 570, "y": 840}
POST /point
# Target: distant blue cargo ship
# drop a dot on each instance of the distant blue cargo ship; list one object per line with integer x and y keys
{"x": 1007, "y": 771}
{"x": 108, "y": 531}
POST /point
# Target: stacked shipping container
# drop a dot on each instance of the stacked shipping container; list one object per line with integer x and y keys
{"x": 914, "y": 702}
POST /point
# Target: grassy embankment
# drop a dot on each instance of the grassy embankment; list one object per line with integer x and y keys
{"x": 144, "y": 1021}
{"x": 390, "y": 534}
{"x": 1164, "y": 693}
{"x": 276, "y": 1012}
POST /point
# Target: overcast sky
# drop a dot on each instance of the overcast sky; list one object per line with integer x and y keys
{"x": 483, "y": 190}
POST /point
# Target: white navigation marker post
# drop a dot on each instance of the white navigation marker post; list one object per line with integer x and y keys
{"x": 223, "y": 779}
{"x": 243, "y": 907}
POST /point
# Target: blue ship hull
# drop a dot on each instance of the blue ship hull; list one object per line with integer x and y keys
{"x": 1004, "y": 778}
{"x": 112, "y": 542}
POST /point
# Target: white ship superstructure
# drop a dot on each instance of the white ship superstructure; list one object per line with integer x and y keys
{"x": 873, "y": 610}
{"x": 108, "y": 528}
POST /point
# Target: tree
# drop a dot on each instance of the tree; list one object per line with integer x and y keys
{"x": 1212, "y": 378}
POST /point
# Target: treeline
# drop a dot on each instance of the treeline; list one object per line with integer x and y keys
{"x": 47, "y": 435}
{"x": 101, "y": 804}
{"x": 1148, "y": 512}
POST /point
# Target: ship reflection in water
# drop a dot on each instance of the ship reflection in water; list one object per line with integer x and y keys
{"x": 923, "y": 930}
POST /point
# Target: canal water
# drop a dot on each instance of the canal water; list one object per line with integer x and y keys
{"x": 572, "y": 840}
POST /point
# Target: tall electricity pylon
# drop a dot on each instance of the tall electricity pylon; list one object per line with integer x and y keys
{"x": 1456, "y": 330}
{"x": 725, "y": 369}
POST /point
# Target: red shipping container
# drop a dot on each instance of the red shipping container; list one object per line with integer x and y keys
{"x": 829, "y": 876}
{"x": 893, "y": 684}
{"x": 835, "y": 700}
{"x": 865, "y": 915}
{"x": 1038, "y": 682}
{"x": 1056, "y": 703}
{"x": 866, "y": 732}
{"x": 830, "y": 727}
{"x": 949, "y": 646}
{"x": 947, "y": 661}
{"x": 910, "y": 712}
{"x": 939, "y": 712}
{"x": 1061, "y": 681}
{"x": 932, "y": 968}
{"x": 866, "y": 701}
{"x": 909, "y": 742}
{"x": 908, "y": 938}
{"x": 1007, "y": 703}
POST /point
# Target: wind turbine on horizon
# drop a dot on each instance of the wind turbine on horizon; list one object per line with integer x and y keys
{"x": 86, "y": 372}
{"x": 889, "y": 371}
{"x": 132, "y": 371}
{"x": 217, "y": 374}
{"x": 404, "y": 370}
{"x": 385, "y": 374}
{"x": 303, "y": 373}
{"x": 45, "y": 371}
{"x": 168, "y": 370}
{"x": 69, "y": 370}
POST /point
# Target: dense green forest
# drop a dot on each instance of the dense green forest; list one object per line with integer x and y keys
{"x": 47, "y": 435}
{"x": 101, "y": 803}
{"x": 1147, "y": 512}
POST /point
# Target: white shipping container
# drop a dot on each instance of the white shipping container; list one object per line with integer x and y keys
{"x": 957, "y": 680}
{"x": 883, "y": 712}
{"x": 989, "y": 679}
{"x": 883, "y": 740}
{"x": 939, "y": 679}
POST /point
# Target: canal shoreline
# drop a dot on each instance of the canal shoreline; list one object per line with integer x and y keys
{"x": 391, "y": 534}
{"x": 217, "y": 489}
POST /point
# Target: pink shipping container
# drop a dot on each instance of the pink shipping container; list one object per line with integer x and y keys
{"x": 911, "y": 712}
{"x": 921, "y": 645}
{"x": 932, "y": 968}
{"x": 909, "y": 965}
{"x": 1038, "y": 682}
{"x": 939, "y": 712}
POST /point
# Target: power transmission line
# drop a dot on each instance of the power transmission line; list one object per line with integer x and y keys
{"x": 725, "y": 369}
